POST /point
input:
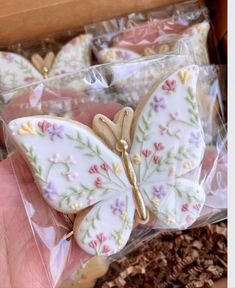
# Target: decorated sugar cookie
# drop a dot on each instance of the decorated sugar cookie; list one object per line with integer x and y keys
{"x": 16, "y": 71}
{"x": 139, "y": 80}
{"x": 138, "y": 164}
{"x": 129, "y": 49}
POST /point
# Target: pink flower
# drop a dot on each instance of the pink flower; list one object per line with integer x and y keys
{"x": 104, "y": 166}
{"x": 189, "y": 219}
{"x": 72, "y": 176}
{"x": 101, "y": 238}
{"x": 146, "y": 153}
{"x": 106, "y": 249}
{"x": 90, "y": 200}
{"x": 185, "y": 207}
{"x": 44, "y": 125}
{"x": 93, "y": 244}
{"x": 197, "y": 206}
{"x": 163, "y": 129}
{"x": 94, "y": 169}
{"x": 70, "y": 160}
{"x": 157, "y": 160}
{"x": 98, "y": 182}
{"x": 29, "y": 79}
{"x": 159, "y": 146}
{"x": 169, "y": 85}
{"x": 174, "y": 115}
{"x": 54, "y": 158}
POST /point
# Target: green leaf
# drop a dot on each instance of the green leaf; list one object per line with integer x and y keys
{"x": 138, "y": 139}
{"x": 69, "y": 137}
{"x": 146, "y": 122}
{"x": 98, "y": 150}
{"x": 93, "y": 223}
{"x": 84, "y": 187}
{"x": 89, "y": 144}
{"x": 170, "y": 153}
{"x": 177, "y": 157}
{"x": 141, "y": 129}
{"x": 89, "y": 154}
{"x": 78, "y": 136}
{"x": 170, "y": 161}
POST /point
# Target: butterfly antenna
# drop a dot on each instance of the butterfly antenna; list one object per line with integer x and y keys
{"x": 123, "y": 121}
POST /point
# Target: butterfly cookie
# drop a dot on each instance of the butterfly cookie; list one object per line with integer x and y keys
{"x": 16, "y": 71}
{"x": 138, "y": 164}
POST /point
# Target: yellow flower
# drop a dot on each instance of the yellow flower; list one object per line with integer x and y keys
{"x": 149, "y": 51}
{"x": 155, "y": 200}
{"x": 187, "y": 165}
{"x": 169, "y": 219}
{"x": 164, "y": 48}
{"x": 82, "y": 38}
{"x": 184, "y": 76}
{"x": 200, "y": 29}
{"x": 109, "y": 54}
{"x": 123, "y": 216}
{"x": 116, "y": 168}
{"x": 120, "y": 240}
{"x": 137, "y": 159}
{"x": 76, "y": 206}
{"x": 27, "y": 129}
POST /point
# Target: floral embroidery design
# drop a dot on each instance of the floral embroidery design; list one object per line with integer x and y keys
{"x": 159, "y": 192}
{"x": 50, "y": 190}
{"x": 158, "y": 103}
{"x": 195, "y": 139}
{"x": 44, "y": 125}
{"x": 118, "y": 207}
{"x": 56, "y": 131}
{"x": 169, "y": 85}
{"x": 99, "y": 246}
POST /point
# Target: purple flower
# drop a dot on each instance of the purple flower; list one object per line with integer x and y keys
{"x": 195, "y": 139}
{"x": 56, "y": 131}
{"x": 9, "y": 57}
{"x": 50, "y": 190}
{"x": 118, "y": 207}
{"x": 158, "y": 103}
{"x": 159, "y": 192}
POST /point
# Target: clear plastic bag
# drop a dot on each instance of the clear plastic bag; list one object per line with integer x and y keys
{"x": 152, "y": 32}
{"x": 59, "y": 261}
{"x": 23, "y": 64}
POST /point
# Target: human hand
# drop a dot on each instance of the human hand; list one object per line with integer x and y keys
{"x": 21, "y": 263}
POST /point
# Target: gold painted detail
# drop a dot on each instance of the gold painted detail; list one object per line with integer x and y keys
{"x": 43, "y": 65}
{"x": 122, "y": 148}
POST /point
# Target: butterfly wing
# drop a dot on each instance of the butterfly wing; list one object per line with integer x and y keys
{"x": 16, "y": 71}
{"x": 73, "y": 56}
{"x": 106, "y": 228}
{"x": 168, "y": 144}
{"x": 71, "y": 166}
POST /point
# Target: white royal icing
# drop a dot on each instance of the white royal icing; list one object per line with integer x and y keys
{"x": 167, "y": 144}
{"x": 16, "y": 71}
{"x": 75, "y": 170}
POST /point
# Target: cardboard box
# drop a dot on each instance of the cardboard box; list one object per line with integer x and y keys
{"x": 22, "y": 20}
{"x": 27, "y": 20}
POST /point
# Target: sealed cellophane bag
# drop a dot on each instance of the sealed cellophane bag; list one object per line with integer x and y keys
{"x": 99, "y": 159}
